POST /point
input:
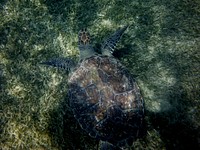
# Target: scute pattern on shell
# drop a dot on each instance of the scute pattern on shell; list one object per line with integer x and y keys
{"x": 105, "y": 99}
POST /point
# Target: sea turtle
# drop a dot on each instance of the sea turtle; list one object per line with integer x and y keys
{"x": 103, "y": 95}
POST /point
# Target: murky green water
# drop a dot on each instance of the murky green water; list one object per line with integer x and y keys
{"x": 161, "y": 48}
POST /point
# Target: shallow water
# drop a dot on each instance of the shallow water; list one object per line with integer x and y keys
{"x": 160, "y": 48}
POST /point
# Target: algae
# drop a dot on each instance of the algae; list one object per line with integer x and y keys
{"x": 160, "y": 48}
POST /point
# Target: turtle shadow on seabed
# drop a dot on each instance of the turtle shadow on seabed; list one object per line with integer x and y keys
{"x": 178, "y": 134}
{"x": 175, "y": 127}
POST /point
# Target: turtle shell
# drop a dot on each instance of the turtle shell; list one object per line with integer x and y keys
{"x": 106, "y": 100}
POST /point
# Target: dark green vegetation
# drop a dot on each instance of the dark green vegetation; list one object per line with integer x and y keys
{"x": 161, "y": 48}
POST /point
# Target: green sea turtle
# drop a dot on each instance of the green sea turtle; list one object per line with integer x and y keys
{"x": 103, "y": 96}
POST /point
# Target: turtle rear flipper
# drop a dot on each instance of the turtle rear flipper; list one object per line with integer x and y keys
{"x": 64, "y": 63}
{"x": 104, "y": 145}
{"x": 109, "y": 44}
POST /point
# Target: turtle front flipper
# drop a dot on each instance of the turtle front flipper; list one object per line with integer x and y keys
{"x": 109, "y": 44}
{"x": 64, "y": 63}
{"x": 84, "y": 44}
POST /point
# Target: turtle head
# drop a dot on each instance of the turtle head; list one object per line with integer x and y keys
{"x": 84, "y": 44}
